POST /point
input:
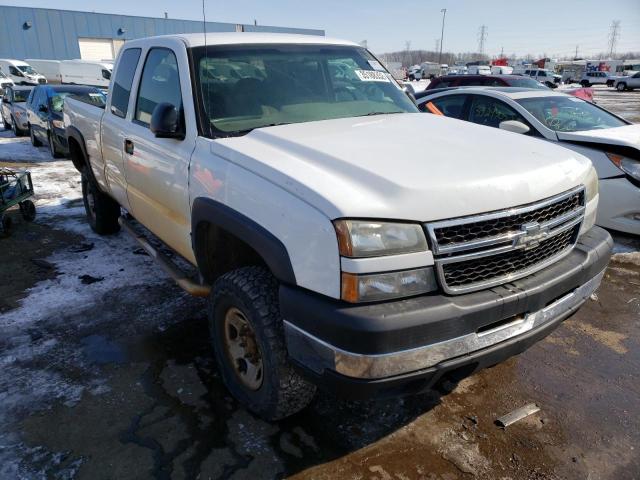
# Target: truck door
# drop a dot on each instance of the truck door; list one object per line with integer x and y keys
{"x": 158, "y": 168}
{"x": 115, "y": 122}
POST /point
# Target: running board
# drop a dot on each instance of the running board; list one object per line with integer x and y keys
{"x": 181, "y": 278}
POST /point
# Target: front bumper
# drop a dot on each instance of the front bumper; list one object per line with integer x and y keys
{"x": 406, "y": 346}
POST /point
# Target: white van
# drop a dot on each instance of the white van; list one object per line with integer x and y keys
{"x": 21, "y": 72}
{"x": 85, "y": 72}
{"x": 479, "y": 70}
{"x": 49, "y": 68}
{"x": 501, "y": 70}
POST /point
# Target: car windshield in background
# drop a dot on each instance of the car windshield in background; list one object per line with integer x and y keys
{"x": 244, "y": 88}
{"x": 27, "y": 69}
{"x": 2, "y": 75}
{"x": 526, "y": 83}
{"x": 20, "y": 95}
{"x": 569, "y": 114}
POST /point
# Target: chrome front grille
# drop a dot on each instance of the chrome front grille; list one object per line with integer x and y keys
{"x": 472, "y": 253}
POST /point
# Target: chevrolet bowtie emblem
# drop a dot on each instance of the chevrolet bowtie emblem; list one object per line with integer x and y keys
{"x": 532, "y": 235}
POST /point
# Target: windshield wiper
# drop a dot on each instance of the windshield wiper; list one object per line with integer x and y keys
{"x": 379, "y": 113}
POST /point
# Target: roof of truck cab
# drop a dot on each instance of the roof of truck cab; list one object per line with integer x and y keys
{"x": 239, "y": 38}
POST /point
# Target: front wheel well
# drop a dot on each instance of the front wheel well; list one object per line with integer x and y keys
{"x": 219, "y": 251}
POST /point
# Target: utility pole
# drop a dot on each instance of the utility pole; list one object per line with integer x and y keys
{"x": 576, "y": 55}
{"x": 482, "y": 37}
{"x": 444, "y": 14}
{"x": 501, "y": 52}
{"x": 614, "y": 33}
{"x": 437, "y": 45}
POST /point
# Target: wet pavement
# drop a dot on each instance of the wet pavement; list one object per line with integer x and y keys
{"x": 115, "y": 378}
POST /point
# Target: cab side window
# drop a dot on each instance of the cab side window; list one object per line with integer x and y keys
{"x": 121, "y": 89}
{"x": 160, "y": 83}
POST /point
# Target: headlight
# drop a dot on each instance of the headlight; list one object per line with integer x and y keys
{"x": 385, "y": 286}
{"x": 630, "y": 166}
{"x": 58, "y": 123}
{"x": 361, "y": 238}
{"x": 18, "y": 113}
{"x": 591, "y": 185}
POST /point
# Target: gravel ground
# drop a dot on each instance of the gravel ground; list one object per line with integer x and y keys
{"x": 106, "y": 372}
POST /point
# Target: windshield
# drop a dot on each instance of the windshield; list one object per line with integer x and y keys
{"x": 20, "y": 95}
{"x": 2, "y": 75}
{"x": 527, "y": 83}
{"x": 569, "y": 114}
{"x": 28, "y": 69}
{"x": 244, "y": 87}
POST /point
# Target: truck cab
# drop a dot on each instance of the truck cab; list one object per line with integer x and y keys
{"x": 335, "y": 250}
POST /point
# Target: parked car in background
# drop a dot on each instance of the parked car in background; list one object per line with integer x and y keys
{"x": 83, "y": 72}
{"x": 414, "y": 73}
{"x": 627, "y": 83}
{"x": 50, "y": 69}
{"x": 612, "y": 143}
{"x": 479, "y": 70}
{"x": 21, "y": 72}
{"x": 13, "y": 109}
{"x": 381, "y": 291}
{"x": 4, "y": 83}
{"x": 484, "y": 80}
{"x": 594, "y": 78}
{"x": 546, "y": 77}
{"x": 44, "y": 113}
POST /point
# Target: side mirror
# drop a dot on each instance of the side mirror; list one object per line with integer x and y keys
{"x": 514, "y": 126}
{"x": 165, "y": 122}
{"x": 43, "y": 109}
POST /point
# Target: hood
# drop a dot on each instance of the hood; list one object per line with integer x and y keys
{"x": 405, "y": 166}
{"x": 627, "y": 136}
{"x": 22, "y": 106}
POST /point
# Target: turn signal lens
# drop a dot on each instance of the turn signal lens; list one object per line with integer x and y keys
{"x": 385, "y": 286}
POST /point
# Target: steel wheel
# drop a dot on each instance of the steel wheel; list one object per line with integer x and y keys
{"x": 241, "y": 348}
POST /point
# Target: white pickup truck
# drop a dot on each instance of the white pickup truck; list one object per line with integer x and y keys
{"x": 284, "y": 169}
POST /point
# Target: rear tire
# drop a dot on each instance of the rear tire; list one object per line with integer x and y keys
{"x": 258, "y": 375}
{"x": 102, "y": 211}
{"x": 621, "y": 87}
{"x": 585, "y": 84}
{"x": 34, "y": 141}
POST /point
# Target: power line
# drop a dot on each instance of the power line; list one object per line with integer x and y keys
{"x": 614, "y": 33}
{"x": 482, "y": 36}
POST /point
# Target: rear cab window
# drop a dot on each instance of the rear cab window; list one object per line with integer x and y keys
{"x": 121, "y": 87}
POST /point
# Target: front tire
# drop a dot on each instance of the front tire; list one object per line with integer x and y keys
{"x": 52, "y": 147}
{"x": 621, "y": 87}
{"x": 585, "y": 84}
{"x": 102, "y": 211}
{"x": 34, "y": 141}
{"x": 248, "y": 339}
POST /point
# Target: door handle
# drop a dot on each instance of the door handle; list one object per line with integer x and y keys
{"x": 128, "y": 146}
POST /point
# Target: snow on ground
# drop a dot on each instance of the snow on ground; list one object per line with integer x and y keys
{"x": 19, "y": 149}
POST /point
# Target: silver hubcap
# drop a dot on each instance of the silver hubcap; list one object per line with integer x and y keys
{"x": 242, "y": 349}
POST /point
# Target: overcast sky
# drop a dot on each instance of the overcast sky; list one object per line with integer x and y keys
{"x": 554, "y": 27}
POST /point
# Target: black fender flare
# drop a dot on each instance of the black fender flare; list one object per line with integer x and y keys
{"x": 270, "y": 248}
{"x": 75, "y": 134}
